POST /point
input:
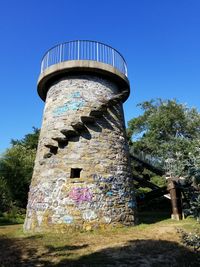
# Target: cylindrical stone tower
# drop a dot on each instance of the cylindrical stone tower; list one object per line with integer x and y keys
{"x": 82, "y": 175}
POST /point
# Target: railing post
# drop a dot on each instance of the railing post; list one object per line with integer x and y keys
{"x": 97, "y": 51}
{"x": 42, "y": 66}
{"x": 125, "y": 70}
{"x": 69, "y": 51}
{"x": 113, "y": 58}
{"x": 60, "y": 53}
{"x": 78, "y": 49}
{"x": 48, "y": 59}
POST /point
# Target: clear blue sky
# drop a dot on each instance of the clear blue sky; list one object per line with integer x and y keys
{"x": 160, "y": 40}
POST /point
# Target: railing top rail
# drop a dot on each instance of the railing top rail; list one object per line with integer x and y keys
{"x": 84, "y": 50}
{"x": 90, "y": 41}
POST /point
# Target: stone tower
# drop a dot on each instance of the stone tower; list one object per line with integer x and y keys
{"x": 82, "y": 176}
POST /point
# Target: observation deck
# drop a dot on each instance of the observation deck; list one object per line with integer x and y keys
{"x": 82, "y": 56}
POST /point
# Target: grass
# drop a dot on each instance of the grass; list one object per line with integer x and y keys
{"x": 14, "y": 216}
{"x": 155, "y": 242}
{"x": 9, "y": 220}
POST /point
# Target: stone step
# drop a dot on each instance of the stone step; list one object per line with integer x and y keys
{"x": 118, "y": 97}
{"x": 103, "y": 107}
{"x": 96, "y": 113}
{"x": 69, "y": 132}
{"x": 47, "y": 155}
{"x": 51, "y": 146}
{"x": 78, "y": 125}
{"x": 112, "y": 102}
{"x": 60, "y": 139}
{"x": 88, "y": 119}
{"x": 125, "y": 93}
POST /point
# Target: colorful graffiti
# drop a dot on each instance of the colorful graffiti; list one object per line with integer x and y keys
{"x": 131, "y": 204}
{"x": 68, "y": 219}
{"x": 89, "y": 215}
{"x": 39, "y": 203}
{"x": 75, "y": 94}
{"x": 113, "y": 187}
{"x": 81, "y": 194}
{"x": 93, "y": 201}
{"x": 74, "y": 104}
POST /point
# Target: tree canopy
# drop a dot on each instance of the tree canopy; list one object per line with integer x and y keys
{"x": 16, "y": 167}
{"x": 165, "y": 128}
{"x": 30, "y": 141}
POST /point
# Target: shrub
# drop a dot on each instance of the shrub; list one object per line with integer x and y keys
{"x": 191, "y": 240}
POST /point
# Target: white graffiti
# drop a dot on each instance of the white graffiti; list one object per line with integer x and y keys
{"x": 89, "y": 215}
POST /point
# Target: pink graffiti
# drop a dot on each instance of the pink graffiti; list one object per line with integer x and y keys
{"x": 80, "y": 194}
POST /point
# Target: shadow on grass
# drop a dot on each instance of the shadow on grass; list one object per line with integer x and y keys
{"x": 150, "y": 217}
{"x": 20, "y": 252}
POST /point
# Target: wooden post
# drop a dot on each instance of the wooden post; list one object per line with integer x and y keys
{"x": 176, "y": 199}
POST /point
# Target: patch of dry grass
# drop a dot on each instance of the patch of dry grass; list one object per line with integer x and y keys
{"x": 152, "y": 244}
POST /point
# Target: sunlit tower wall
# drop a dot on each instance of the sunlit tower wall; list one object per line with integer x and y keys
{"x": 82, "y": 176}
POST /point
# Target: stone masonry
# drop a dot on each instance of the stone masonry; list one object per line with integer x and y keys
{"x": 82, "y": 176}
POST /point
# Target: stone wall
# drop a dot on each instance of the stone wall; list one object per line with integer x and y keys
{"x": 82, "y": 135}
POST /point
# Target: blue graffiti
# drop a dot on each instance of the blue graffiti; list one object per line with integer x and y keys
{"x": 131, "y": 204}
{"x": 70, "y": 105}
{"x": 113, "y": 185}
{"x": 60, "y": 110}
{"x": 75, "y": 105}
{"x": 68, "y": 219}
{"x": 76, "y": 94}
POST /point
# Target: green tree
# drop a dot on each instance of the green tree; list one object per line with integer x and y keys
{"x": 29, "y": 141}
{"x": 169, "y": 132}
{"x": 165, "y": 128}
{"x": 16, "y": 167}
{"x": 5, "y": 196}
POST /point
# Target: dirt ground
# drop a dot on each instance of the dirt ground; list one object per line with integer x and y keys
{"x": 148, "y": 245}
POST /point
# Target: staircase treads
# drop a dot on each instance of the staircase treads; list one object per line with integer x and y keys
{"x": 112, "y": 102}
{"x": 69, "y": 132}
{"x": 47, "y": 155}
{"x": 119, "y": 97}
{"x": 51, "y": 146}
{"x": 96, "y": 113}
{"x": 124, "y": 94}
{"x": 60, "y": 139}
{"x": 102, "y": 108}
{"x": 78, "y": 126}
{"x": 87, "y": 119}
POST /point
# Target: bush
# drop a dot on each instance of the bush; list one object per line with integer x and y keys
{"x": 195, "y": 207}
{"x": 190, "y": 239}
{"x": 14, "y": 216}
{"x": 192, "y": 204}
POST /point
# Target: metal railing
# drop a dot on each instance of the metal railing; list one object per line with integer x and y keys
{"x": 148, "y": 158}
{"x": 84, "y": 50}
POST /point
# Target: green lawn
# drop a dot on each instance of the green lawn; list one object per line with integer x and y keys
{"x": 155, "y": 242}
